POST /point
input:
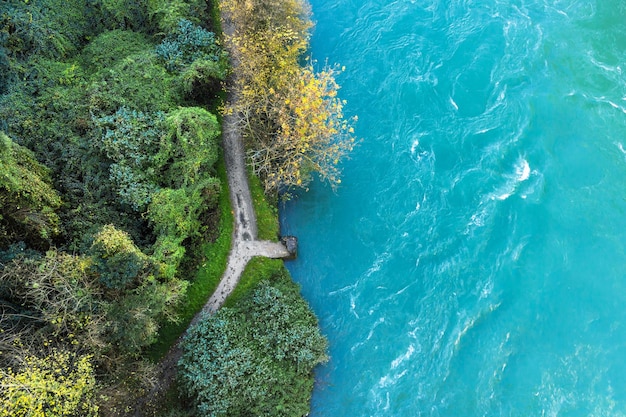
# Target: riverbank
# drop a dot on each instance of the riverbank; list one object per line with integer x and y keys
{"x": 244, "y": 248}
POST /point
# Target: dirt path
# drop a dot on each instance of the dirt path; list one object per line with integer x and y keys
{"x": 244, "y": 245}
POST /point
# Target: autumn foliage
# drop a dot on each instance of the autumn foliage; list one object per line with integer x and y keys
{"x": 291, "y": 115}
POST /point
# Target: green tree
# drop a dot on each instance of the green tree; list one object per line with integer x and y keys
{"x": 49, "y": 301}
{"x": 137, "y": 82}
{"x": 111, "y": 47}
{"x": 166, "y": 14}
{"x": 187, "y": 44}
{"x": 133, "y": 319}
{"x": 255, "y": 358}
{"x": 117, "y": 260}
{"x": 120, "y": 14}
{"x": 201, "y": 81}
{"x": 49, "y": 28}
{"x": 27, "y": 199}
{"x": 190, "y": 149}
{"x": 141, "y": 293}
{"x": 131, "y": 139}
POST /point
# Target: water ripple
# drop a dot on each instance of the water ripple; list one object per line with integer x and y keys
{"x": 471, "y": 264}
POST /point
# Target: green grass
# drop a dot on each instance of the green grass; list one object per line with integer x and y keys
{"x": 207, "y": 277}
{"x": 266, "y": 213}
{"x": 257, "y": 270}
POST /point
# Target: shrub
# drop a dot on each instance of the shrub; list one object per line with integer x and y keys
{"x": 119, "y": 14}
{"x": 256, "y": 357}
{"x": 166, "y": 14}
{"x": 110, "y": 48}
{"x": 191, "y": 145}
{"x": 137, "y": 82}
{"x": 60, "y": 384}
{"x": 50, "y": 28}
{"x": 56, "y": 301}
{"x": 133, "y": 319}
{"x": 27, "y": 199}
{"x": 200, "y": 82}
{"x": 6, "y": 75}
{"x": 116, "y": 258}
{"x": 175, "y": 212}
{"x": 131, "y": 139}
{"x": 188, "y": 44}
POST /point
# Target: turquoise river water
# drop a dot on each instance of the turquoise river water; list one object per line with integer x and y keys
{"x": 473, "y": 261}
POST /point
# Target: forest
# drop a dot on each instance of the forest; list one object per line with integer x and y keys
{"x": 114, "y": 214}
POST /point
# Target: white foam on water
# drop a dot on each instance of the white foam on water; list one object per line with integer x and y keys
{"x": 344, "y": 289}
{"x": 478, "y": 219}
{"x": 517, "y": 251}
{"x": 621, "y": 148}
{"x": 378, "y": 322}
{"x": 523, "y": 170}
{"x": 471, "y": 322}
{"x": 521, "y": 173}
{"x": 357, "y": 345}
{"x": 603, "y": 66}
{"x": 389, "y": 380}
{"x": 453, "y": 103}
{"x": 353, "y": 305}
{"x": 378, "y": 263}
{"x": 404, "y": 357}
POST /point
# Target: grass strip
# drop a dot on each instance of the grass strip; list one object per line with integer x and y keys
{"x": 266, "y": 213}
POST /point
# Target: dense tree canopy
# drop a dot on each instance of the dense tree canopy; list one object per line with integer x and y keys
{"x": 107, "y": 166}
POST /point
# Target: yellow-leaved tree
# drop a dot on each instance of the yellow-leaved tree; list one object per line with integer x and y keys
{"x": 290, "y": 114}
{"x": 61, "y": 384}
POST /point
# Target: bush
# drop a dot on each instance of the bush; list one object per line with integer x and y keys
{"x": 255, "y": 358}
{"x": 137, "y": 82}
{"x": 175, "y": 212}
{"x": 188, "y": 44}
{"x": 131, "y": 139}
{"x": 200, "y": 82}
{"x": 119, "y": 14}
{"x": 150, "y": 151}
{"x": 27, "y": 199}
{"x": 110, "y": 48}
{"x": 6, "y": 75}
{"x": 166, "y": 14}
{"x": 191, "y": 146}
{"x": 116, "y": 258}
{"x": 60, "y": 384}
{"x": 133, "y": 320}
{"x": 56, "y": 301}
{"x": 49, "y": 28}
{"x": 46, "y": 111}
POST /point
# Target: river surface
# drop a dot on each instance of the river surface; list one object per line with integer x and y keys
{"x": 473, "y": 261}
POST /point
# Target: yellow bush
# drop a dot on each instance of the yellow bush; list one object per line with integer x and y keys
{"x": 61, "y": 384}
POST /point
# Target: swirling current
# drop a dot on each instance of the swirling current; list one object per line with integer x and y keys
{"x": 473, "y": 261}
